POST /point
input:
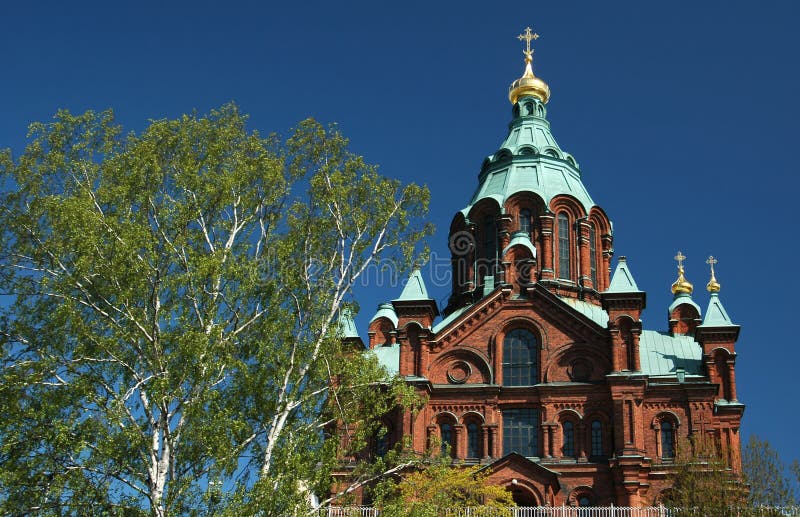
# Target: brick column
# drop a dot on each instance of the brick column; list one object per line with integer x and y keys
{"x": 547, "y": 246}
{"x": 580, "y": 441}
{"x": 547, "y": 451}
{"x": 495, "y": 442}
{"x": 732, "y": 378}
{"x": 584, "y": 271}
{"x": 485, "y": 439}
{"x": 458, "y": 446}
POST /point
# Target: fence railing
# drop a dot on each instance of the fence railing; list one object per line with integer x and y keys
{"x": 569, "y": 511}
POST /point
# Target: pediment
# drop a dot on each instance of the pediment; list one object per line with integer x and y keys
{"x": 543, "y": 304}
{"x": 515, "y": 464}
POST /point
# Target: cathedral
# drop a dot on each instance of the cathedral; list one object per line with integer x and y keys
{"x": 538, "y": 368}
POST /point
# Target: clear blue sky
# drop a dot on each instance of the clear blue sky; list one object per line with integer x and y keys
{"x": 683, "y": 116}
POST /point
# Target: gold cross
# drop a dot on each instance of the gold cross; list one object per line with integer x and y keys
{"x": 528, "y": 36}
{"x": 680, "y": 258}
{"x": 711, "y": 261}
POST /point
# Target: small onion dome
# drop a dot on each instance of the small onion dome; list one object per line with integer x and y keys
{"x": 528, "y": 84}
{"x": 681, "y": 285}
{"x": 712, "y": 286}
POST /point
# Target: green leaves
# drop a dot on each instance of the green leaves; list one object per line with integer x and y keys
{"x": 173, "y": 301}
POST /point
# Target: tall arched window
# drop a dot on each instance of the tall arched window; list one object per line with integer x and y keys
{"x": 489, "y": 242}
{"x": 473, "y": 440}
{"x": 520, "y": 367}
{"x": 525, "y": 221}
{"x": 446, "y": 432}
{"x": 597, "y": 438}
{"x": 593, "y": 256}
{"x": 568, "y": 447}
{"x": 563, "y": 246}
{"x": 667, "y": 440}
{"x": 382, "y": 441}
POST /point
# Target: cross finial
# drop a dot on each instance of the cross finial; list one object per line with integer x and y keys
{"x": 680, "y": 258}
{"x": 528, "y": 36}
{"x": 711, "y": 261}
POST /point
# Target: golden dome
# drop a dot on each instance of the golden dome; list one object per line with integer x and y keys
{"x": 713, "y": 286}
{"x": 681, "y": 285}
{"x": 528, "y": 84}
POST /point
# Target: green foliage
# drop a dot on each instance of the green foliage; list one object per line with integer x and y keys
{"x": 436, "y": 487}
{"x": 171, "y": 325}
{"x": 703, "y": 482}
{"x": 766, "y": 475}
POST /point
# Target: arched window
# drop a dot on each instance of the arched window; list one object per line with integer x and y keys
{"x": 446, "y": 432}
{"x": 568, "y": 447}
{"x": 584, "y": 501}
{"x": 525, "y": 221}
{"x": 473, "y": 440}
{"x": 597, "y": 438}
{"x": 489, "y": 243}
{"x": 667, "y": 440}
{"x": 593, "y": 256}
{"x": 563, "y": 246}
{"x": 382, "y": 441}
{"x": 520, "y": 366}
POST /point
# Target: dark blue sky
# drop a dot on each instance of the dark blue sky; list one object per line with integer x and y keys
{"x": 682, "y": 115}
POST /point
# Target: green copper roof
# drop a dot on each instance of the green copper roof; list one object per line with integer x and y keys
{"x": 622, "y": 281}
{"x": 661, "y": 353}
{"x": 388, "y": 356}
{"x": 346, "y": 324}
{"x": 682, "y": 298}
{"x": 414, "y": 289}
{"x": 386, "y": 310}
{"x": 520, "y": 238}
{"x": 716, "y": 316}
{"x": 590, "y": 310}
{"x": 450, "y": 318}
{"x": 529, "y": 159}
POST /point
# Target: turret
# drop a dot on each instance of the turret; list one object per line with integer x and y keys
{"x": 684, "y": 314}
{"x": 624, "y": 302}
{"x": 717, "y": 336}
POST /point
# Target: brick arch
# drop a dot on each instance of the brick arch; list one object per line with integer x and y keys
{"x": 569, "y": 414}
{"x": 444, "y": 417}
{"x": 579, "y": 492}
{"x": 484, "y": 207}
{"x": 523, "y": 491}
{"x": 437, "y": 371}
{"x": 473, "y": 416}
{"x": 560, "y": 359}
{"x": 721, "y": 373}
{"x": 569, "y": 204}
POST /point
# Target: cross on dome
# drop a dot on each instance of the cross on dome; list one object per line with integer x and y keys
{"x": 528, "y": 36}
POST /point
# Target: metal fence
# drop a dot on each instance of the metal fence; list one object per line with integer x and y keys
{"x": 569, "y": 511}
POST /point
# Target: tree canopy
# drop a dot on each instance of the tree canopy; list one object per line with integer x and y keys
{"x": 169, "y": 327}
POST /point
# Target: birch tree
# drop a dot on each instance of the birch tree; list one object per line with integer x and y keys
{"x": 169, "y": 319}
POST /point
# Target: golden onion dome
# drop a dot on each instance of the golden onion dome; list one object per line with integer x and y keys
{"x": 713, "y": 286}
{"x": 681, "y": 285}
{"x": 528, "y": 84}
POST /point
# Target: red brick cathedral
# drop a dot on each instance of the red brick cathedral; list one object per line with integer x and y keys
{"x": 540, "y": 368}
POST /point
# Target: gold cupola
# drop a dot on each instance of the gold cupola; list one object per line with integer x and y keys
{"x": 712, "y": 286}
{"x": 528, "y": 84}
{"x": 681, "y": 285}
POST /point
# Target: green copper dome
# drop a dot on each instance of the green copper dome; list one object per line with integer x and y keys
{"x": 529, "y": 159}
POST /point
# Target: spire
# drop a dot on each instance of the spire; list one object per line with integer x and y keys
{"x": 716, "y": 315}
{"x": 681, "y": 285}
{"x": 415, "y": 288}
{"x": 622, "y": 281}
{"x": 528, "y": 84}
{"x": 347, "y": 326}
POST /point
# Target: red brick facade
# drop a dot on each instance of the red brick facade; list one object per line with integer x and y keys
{"x": 595, "y": 407}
